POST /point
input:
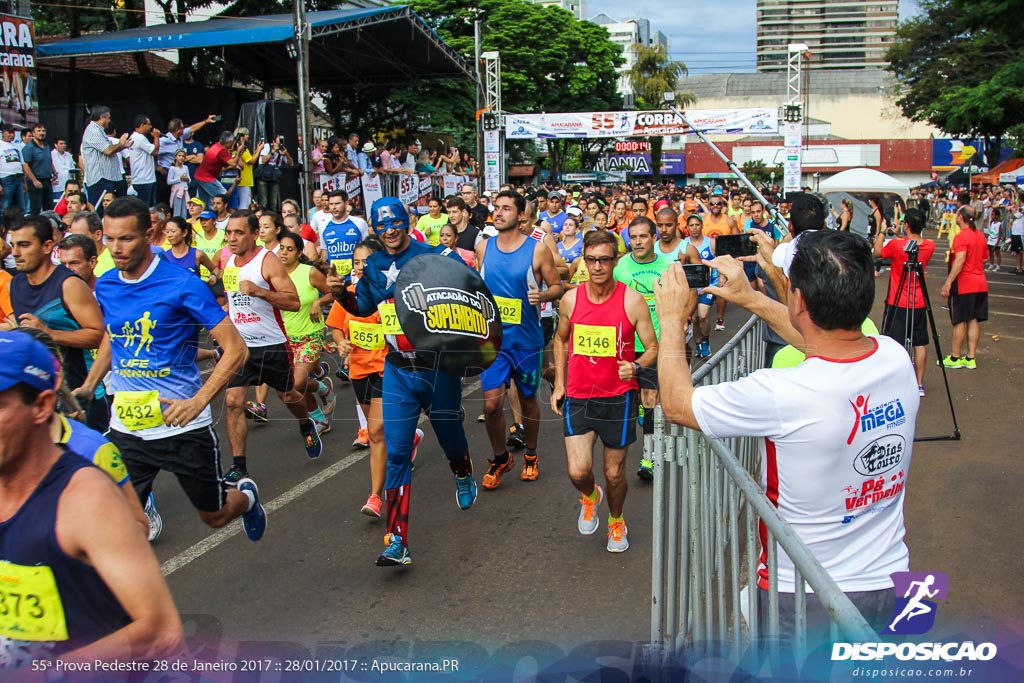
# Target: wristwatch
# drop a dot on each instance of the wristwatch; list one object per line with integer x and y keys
{"x": 636, "y": 369}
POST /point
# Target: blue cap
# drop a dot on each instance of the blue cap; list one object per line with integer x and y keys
{"x": 25, "y": 360}
{"x": 718, "y": 190}
{"x": 206, "y": 213}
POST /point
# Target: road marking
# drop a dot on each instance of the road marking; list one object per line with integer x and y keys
{"x": 221, "y": 535}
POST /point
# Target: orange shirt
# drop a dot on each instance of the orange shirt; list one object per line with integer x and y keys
{"x": 361, "y": 362}
{"x": 713, "y": 228}
{"x": 5, "y": 294}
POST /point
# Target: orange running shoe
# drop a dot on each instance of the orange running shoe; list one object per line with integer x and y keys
{"x": 530, "y": 471}
{"x": 362, "y": 439}
{"x": 588, "y": 521}
{"x": 492, "y": 479}
{"x": 617, "y": 542}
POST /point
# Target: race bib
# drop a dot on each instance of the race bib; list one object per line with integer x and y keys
{"x": 511, "y": 310}
{"x": 30, "y": 606}
{"x": 594, "y": 340}
{"x": 230, "y": 277}
{"x": 367, "y": 336}
{"x": 138, "y": 409}
{"x": 389, "y": 319}
{"x": 342, "y": 266}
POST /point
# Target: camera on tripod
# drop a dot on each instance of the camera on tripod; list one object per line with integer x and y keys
{"x": 911, "y": 248}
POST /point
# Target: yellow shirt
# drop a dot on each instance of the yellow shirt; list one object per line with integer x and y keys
{"x": 104, "y": 263}
{"x": 245, "y": 177}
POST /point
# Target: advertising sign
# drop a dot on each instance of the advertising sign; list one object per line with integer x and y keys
{"x": 640, "y": 164}
{"x": 614, "y": 124}
{"x": 19, "y": 105}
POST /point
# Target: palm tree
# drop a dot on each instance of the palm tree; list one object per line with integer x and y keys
{"x": 651, "y": 76}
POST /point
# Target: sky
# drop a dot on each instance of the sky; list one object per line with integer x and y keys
{"x": 709, "y": 37}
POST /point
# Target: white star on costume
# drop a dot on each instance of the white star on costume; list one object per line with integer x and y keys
{"x": 391, "y": 274}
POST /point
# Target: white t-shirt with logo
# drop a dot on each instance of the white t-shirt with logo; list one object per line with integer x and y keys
{"x": 10, "y": 159}
{"x": 836, "y": 449}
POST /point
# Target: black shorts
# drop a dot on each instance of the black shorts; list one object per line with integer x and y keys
{"x": 192, "y": 456}
{"x": 1016, "y": 244}
{"x": 965, "y": 307}
{"x": 547, "y": 325}
{"x": 899, "y": 328}
{"x": 613, "y": 418}
{"x": 270, "y": 365}
{"x": 368, "y": 388}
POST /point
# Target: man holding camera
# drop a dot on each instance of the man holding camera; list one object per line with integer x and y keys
{"x": 268, "y": 173}
{"x": 835, "y": 433}
{"x": 906, "y": 310}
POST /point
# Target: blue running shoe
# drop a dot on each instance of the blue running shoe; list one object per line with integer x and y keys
{"x": 465, "y": 491}
{"x": 311, "y": 440}
{"x": 704, "y": 349}
{"x": 254, "y": 520}
{"x": 395, "y": 554}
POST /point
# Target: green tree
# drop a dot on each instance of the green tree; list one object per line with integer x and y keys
{"x": 960, "y": 67}
{"x": 760, "y": 173}
{"x": 651, "y": 76}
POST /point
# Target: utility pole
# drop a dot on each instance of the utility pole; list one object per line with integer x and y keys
{"x": 478, "y": 87}
{"x": 302, "y": 72}
{"x": 792, "y": 118}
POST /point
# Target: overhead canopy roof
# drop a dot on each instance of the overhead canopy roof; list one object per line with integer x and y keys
{"x": 377, "y": 45}
{"x": 863, "y": 180}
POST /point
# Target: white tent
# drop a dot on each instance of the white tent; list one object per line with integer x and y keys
{"x": 863, "y": 180}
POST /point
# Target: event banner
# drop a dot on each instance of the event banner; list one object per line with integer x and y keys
{"x": 614, "y": 124}
{"x": 19, "y": 105}
{"x": 371, "y": 189}
{"x": 640, "y": 164}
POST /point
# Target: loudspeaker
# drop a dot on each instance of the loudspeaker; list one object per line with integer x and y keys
{"x": 267, "y": 119}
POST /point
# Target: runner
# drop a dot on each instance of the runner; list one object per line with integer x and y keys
{"x": 638, "y": 270}
{"x": 670, "y": 243}
{"x": 180, "y": 251}
{"x": 307, "y": 338}
{"x": 85, "y": 583}
{"x": 595, "y": 382}
{"x": 411, "y": 380}
{"x": 259, "y": 290}
{"x": 161, "y": 418}
{"x": 700, "y": 248}
{"x": 341, "y": 234}
{"x": 514, "y": 266}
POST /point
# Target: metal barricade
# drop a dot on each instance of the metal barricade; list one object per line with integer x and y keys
{"x": 708, "y": 503}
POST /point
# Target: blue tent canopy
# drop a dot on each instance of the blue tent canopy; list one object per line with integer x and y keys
{"x": 387, "y": 44}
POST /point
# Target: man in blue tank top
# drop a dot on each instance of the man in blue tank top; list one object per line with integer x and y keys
{"x": 514, "y": 266}
{"x": 76, "y": 566}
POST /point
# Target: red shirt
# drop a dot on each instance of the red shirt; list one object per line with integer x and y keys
{"x": 972, "y": 277}
{"x": 893, "y": 249}
{"x": 596, "y": 348}
{"x": 214, "y": 161}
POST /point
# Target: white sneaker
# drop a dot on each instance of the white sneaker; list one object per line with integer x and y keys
{"x": 589, "y": 520}
{"x": 156, "y": 522}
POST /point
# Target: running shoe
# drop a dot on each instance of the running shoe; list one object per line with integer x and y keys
{"x": 235, "y": 475}
{"x": 321, "y": 371}
{"x": 968, "y": 363}
{"x": 257, "y": 412}
{"x": 704, "y": 349}
{"x": 156, "y": 522}
{"x": 465, "y": 491}
{"x": 311, "y": 440}
{"x": 646, "y": 470}
{"x": 617, "y": 542}
{"x": 481, "y": 418}
{"x": 372, "y": 506}
{"x": 588, "y": 521}
{"x": 495, "y": 472}
{"x": 362, "y": 439}
{"x": 515, "y": 436}
{"x": 322, "y": 427}
{"x": 395, "y": 554}
{"x": 920, "y": 390}
{"x": 254, "y": 520}
{"x": 342, "y": 374}
{"x": 719, "y": 325}
{"x": 530, "y": 470}
{"x": 327, "y": 397}
{"x": 949, "y": 362}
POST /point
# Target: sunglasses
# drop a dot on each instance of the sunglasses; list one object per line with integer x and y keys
{"x": 603, "y": 260}
{"x": 717, "y": 204}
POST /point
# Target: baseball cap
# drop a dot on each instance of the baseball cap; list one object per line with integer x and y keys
{"x": 574, "y": 211}
{"x": 554, "y": 194}
{"x": 206, "y": 213}
{"x": 26, "y": 361}
{"x": 197, "y": 201}
{"x": 718, "y": 190}
{"x": 783, "y": 255}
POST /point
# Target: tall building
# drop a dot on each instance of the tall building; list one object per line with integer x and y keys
{"x": 627, "y": 34}
{"x": 577, "y": 7}
{"x": 841, "y": 34}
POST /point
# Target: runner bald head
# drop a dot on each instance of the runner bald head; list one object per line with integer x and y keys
{"x": 667, "y": 212}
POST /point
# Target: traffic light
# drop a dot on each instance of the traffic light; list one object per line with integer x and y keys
{"x": 490, "y": 121}
{"x": 792, "y": 113}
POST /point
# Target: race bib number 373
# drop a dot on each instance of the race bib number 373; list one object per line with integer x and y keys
{"x": 30, "y": 606}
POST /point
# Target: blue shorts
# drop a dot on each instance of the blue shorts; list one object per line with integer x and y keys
{"x": 522, "y": 365}
{"x": 705, "y": 299}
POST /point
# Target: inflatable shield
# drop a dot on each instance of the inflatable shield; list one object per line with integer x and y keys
{"x": 445, "y": 308}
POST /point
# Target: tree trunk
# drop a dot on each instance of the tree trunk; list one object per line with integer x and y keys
{"x": 656, "y": 144}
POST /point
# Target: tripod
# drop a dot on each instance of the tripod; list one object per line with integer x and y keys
{"x": 912, "y": 276}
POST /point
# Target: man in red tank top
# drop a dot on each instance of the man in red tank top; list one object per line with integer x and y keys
{"x": 595, "y": 381}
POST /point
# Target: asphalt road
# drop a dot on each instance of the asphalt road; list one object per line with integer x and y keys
{"x": 511, "y": 578}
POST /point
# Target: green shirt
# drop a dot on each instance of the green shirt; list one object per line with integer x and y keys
{"x": 641, "y": 277}
{"x": 431, "y": 227}
{"x": 297, "y": 323}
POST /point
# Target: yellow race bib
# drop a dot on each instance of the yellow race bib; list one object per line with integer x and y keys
{"x": 511, "y": 310}
{"x": 138, "y": 409}
{"x": 30, "y": 606}
{"x": 367, "y": 336}
{"x": 342, "y": 266}
{"x": 230, "y": 278}
{"x": 389, "y": 319}
{"x": 594, "y": 340}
